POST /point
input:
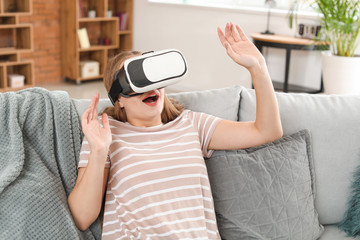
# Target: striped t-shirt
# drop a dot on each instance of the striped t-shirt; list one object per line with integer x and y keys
{"x": 158, "y": 186}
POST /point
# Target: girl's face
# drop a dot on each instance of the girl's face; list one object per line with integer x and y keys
{"x": 144, "y": 110}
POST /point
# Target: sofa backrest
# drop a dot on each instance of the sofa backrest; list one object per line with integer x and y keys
{"x": 223, "y": 102}
{"x": 334, "y": 123}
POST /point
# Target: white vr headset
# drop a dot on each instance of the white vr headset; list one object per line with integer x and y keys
{"x": 148, "y": 72}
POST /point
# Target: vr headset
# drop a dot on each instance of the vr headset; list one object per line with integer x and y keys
{"x": 147, "y": 72}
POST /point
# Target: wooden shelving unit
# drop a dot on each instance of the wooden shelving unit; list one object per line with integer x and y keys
{"x": 104, "y": 33}
{"x": 15, "y": 38}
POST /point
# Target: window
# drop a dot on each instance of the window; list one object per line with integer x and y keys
{"x": 254, "y": 5}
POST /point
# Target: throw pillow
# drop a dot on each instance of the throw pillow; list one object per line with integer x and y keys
{"x": 266, "y": 192}
{"x": 351, "y": 222}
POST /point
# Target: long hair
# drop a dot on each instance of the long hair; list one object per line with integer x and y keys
{"x": 171, "y": 109}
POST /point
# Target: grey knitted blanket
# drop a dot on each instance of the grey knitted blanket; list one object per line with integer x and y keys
{"x": 39, "y": 150}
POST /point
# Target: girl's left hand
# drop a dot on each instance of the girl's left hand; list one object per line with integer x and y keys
{"x": 239, "y": 47}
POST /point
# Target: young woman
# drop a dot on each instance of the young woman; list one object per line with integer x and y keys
{"x": 148, "y": 155}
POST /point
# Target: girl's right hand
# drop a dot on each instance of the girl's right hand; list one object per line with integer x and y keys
{"x": 99, "y": 137}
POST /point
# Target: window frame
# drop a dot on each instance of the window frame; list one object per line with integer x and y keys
{"x": 303, "y": 12}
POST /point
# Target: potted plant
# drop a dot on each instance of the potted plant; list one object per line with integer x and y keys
{"x": 341, "y": 28}
{"x": 340, "y": 20}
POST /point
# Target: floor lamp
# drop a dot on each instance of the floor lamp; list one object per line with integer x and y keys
{"x": 270, "y": 4}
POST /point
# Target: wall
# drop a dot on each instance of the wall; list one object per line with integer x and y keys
{"x": 193, "y": 31}
{"x": 46, "y": 40}
{"x": 190, "y": 29}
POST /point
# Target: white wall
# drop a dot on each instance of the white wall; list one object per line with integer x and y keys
{"x": 193, "y": 31}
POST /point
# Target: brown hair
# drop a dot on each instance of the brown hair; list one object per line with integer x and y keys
{"x": 171, "y": 109}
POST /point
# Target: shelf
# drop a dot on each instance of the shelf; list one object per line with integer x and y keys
{"x": 97, "y": 5}
{"x": 15, "y": 38}
{"x": 96, "y": 48}
{"x": 125, "y": 32}
{"x": 91, "y": 78}
{"x": 98, "y": 56}
{"x": 6, "y": 58}
{"x": 7, "y": 20}
{"x": 8, "y": 50}
{"x": 16, "y": 89}
{"x": 16, "y": 7}
{"x": 125, "y": 42}
{"x": 80, "y": 79}
{"x": 97, "y": 19}
{"x": 24, "y": 68}
{"x": 101, "y": 30}
{"x": 3, "y": 83}
{"x": 14, "y": 25}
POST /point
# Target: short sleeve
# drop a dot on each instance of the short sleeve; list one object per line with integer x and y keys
{"x": 205, "y": 125}
{"x": 84, "y": 155}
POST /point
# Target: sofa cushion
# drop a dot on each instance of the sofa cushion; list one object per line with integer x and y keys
{"x": 333, "y": 121}
{"x": 266, "y": 192}
{"x": 82, "y": 104}
{"x": 351, "y": 221}
{"x": 223, "y": 102}
{"x": 332, "y": 232}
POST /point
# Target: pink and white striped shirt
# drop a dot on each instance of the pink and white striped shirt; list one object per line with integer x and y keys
{"x": 158, "y": 186}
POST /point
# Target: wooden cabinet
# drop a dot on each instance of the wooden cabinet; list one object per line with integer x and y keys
{"x": 107, "y": 34}
{"x": 15, "y": 38}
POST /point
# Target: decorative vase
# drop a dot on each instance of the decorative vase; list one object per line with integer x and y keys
{"x": 91, "y": 13}
{"x": 341, "y": 75}
{"x": 109, "y": 13}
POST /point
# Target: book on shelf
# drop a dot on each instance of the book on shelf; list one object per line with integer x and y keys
{"x": 83, "y": 38}
{"x": 81, "y": 9}
{"x": 123, "y": 21}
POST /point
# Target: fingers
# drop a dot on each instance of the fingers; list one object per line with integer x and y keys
{"x": 97, "y": 96}
{"x": 84, "y": 119}
{"x": 230, "y": 51}
{"x": 231, "y": 35}
{"x": 105, "y": 121}
{"x": 91, "y": 112}
{"x": 93, "y": 107}
{"x": 234, "y": 34}
{"x": 241, "y": 33}
{"x": 221, "y": 36}
{"x": 227, "y": 31}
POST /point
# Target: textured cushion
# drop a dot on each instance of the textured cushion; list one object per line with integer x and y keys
{"x": 332, "y": 232}
{"x": 266, "y": 192}
{"x": 222, "y": 102}
{"x": 351, "y": 222}
{"x": 333, "y": 121}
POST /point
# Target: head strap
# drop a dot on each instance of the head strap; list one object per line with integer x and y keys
{"x": 117, "y": 88}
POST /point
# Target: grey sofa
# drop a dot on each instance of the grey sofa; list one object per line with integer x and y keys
{"x": 333, "y": 123}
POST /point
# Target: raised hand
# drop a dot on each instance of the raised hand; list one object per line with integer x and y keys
{"x": 239, "y": 47}
{"x": 99, "y": 137}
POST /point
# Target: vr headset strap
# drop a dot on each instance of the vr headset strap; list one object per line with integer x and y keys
{"x": 116, "y": 87}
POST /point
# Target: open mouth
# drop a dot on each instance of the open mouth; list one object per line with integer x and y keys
{"x": 151, "y": 98}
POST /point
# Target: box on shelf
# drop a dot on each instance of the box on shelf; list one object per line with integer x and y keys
{"x": 89, "y": 68}
{"x": 15, "y": 80}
